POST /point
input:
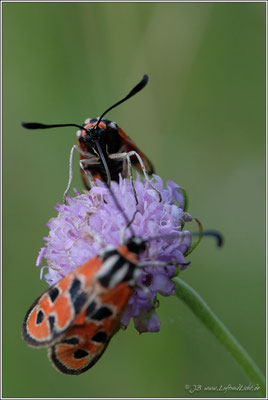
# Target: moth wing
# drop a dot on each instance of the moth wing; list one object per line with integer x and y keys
{"x": 85, "y": 342}
{"x": 56, "y": 309}
{"x": 130, "y": 145}
{"x": 79, "y": 348}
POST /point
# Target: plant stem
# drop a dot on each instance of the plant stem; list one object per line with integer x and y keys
{"x": 212, "y": 322}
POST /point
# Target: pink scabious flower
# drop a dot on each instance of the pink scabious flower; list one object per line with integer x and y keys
{"x": 72, "y": 239}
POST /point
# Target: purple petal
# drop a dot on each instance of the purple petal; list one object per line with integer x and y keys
{"x": 151, "y": 324}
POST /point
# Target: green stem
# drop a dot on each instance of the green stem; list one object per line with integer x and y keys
{"x": 212, "y": 322}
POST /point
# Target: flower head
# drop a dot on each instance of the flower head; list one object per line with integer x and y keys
{"x": 72, "y": 238}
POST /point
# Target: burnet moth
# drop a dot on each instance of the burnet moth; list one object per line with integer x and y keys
{"x": 105, "y": 149}
{"x": 77, "y": 317}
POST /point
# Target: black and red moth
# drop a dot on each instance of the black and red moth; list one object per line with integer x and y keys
{"x": 77, "y": 317}
{"x": 105, "y": 149}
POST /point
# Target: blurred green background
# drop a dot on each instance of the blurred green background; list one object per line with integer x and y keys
{"x": 201, "y": 120}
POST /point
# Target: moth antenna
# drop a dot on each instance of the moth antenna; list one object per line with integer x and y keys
{"x": 135, "y": 90}
{"x": 132, "y": 219}
{"x": 127, "y": 226}
{"x": 37, "y": 125}
{"x": 218, "y": 236}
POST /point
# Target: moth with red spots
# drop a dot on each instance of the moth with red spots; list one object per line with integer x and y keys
{"x": 105, "y": 149}
{"x": 77, "y": 317}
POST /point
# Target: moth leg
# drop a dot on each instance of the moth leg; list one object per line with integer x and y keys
{"x": 127, "y": 156}
{"x": 129, "y": 167}
{"x": 75, "y": 147}
{"x": 134, "y": 153}
{"x": 130, "y": 174}
{"x": 91, "y": 159}
{"x": 88, "y": 161}
{"x": 145, "y": 264}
